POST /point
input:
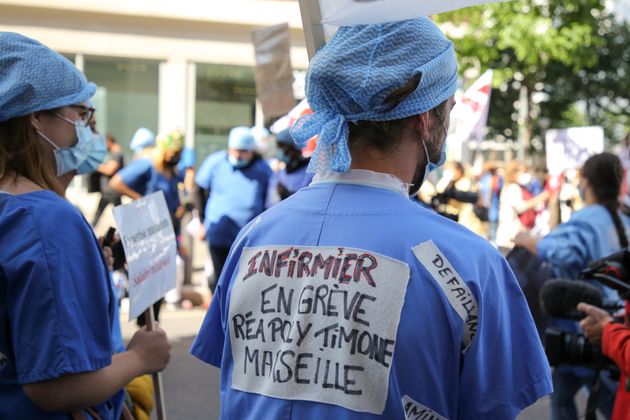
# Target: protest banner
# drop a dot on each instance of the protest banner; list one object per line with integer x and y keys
{"x": 274, "y": 74}
{"x": 469, "y": 117}
{"x": 316, "y": 324}
{"x": 569, "y": 148}
{"x": 148, "y": 238}
{"x": 321, "y": 18}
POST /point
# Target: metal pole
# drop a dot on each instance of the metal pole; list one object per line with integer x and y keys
{"x": 313, "y": 28}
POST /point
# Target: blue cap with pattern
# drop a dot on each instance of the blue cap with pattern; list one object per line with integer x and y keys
{"x": 35, "y": 78}
{"x": 350, "y": 77}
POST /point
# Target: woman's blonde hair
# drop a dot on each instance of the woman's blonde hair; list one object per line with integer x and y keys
{"x": 23, "y": 154}
{"x": 511, "y": 171}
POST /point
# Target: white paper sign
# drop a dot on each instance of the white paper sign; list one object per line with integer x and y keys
{"x": 316, "y": 324}
{"x": 148, "y": 238}
{"x": 570, "y": 147}
{"x": 454, "y": 287}
{"x": 353, "y": 12}
{"x": 416, "y": 411}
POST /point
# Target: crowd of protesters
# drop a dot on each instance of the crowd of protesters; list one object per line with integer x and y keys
{"x": 366, "y": 171}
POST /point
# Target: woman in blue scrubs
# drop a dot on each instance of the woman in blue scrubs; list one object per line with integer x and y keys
{"x": 592, "y": 233}
{"x": 56, "y": 306}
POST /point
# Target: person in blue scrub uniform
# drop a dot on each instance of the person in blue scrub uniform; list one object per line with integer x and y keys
{"x": 233, "y": 186}
{"x": 146, "y": 176}
{"x": 293, "y": 175}
{"x": 349, "y": 301}
{"x": 593, "y": 232}
{"x": 56, "y": 304}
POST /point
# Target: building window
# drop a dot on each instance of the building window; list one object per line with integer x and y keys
{"x": 127, "y": 95}
{"x": 226, "y": 97}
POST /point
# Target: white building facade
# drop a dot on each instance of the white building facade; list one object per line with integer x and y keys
{"x": 162, "y": 64}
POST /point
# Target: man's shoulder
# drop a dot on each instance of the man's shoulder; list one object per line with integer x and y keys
{"x": 216, "y": 157}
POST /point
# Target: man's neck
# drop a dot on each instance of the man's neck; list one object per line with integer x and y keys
{"x": 400, "y": 162}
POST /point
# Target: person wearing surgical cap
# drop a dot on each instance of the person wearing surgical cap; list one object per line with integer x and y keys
{"x": 232, "y": 191}
{"x": 293, "y": 175}
{"x": 142, "y": 143}
{"x": 56, "y": 306}
{"x": 159, "y": 173}
{"x": 349, "y": 301}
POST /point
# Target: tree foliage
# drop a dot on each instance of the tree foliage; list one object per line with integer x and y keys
{"x": 573, "y": 59}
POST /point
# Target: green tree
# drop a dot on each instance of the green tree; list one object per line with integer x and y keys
{"x": 557, "y": 54}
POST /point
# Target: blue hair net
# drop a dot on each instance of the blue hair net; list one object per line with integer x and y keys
{"x": 141, "y": 139}
{"x": 35, "y": 78}
{"x": 350, "y": 77}
{"x": 241, "y": 138}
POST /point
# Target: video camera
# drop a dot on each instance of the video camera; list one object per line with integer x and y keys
{"x": 559, "y": 298}
{"x": 440, "y": 199}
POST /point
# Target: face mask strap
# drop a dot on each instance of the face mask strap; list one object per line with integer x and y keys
{"x": 426, "y": 152}
{"x": 48, "y": 140}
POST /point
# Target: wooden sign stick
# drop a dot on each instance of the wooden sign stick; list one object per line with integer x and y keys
{"x": 157, "y": 377}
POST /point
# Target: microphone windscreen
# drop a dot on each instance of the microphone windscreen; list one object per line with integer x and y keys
{"x": 560, "y": 297}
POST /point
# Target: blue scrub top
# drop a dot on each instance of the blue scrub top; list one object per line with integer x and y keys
{"x": 502, "y": 370}
{"x": 588, "y": 235}
{"x": 237, "y": 195}
{"x": 143, "y": 178}
{"x": 187, "y": 160}
{"x": 56, "y": 306}
{"x": 293, "y": 181}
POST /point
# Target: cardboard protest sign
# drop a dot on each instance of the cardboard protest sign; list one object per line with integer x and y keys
{"x": 569, "y": 148}
{"x": 316, "y": 324}
{"x": 274, "y": 74}
{"x": 148, "y": 238}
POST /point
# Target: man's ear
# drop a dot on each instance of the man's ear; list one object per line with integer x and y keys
{"x": 421, "y": 125}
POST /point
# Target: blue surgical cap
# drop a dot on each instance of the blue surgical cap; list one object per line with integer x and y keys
{"x": 351, "y": 76}
{"x": 143, "y": 138}
{"x": 35, "y": 78}
{"x": 241, "y": 138}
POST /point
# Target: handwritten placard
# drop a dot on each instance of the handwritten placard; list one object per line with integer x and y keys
{"x": 316, "y": 324}
{"x": 148, "y": 238}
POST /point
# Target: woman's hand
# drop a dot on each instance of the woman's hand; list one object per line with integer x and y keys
{"x": 152, "y": 349}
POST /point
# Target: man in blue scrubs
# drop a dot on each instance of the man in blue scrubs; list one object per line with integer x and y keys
{"x": 235, "y": 182}
{"x": 349, "y": 301}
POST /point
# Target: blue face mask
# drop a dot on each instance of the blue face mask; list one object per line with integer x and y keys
{"x": 430, "y": 165}
{"x": 237, "y": 163}
{"x": 98, "y": 150}
{"x": 70, "y": 158}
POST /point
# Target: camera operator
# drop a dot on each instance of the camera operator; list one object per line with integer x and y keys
{"x": 591, "y": 233}
{"x": 614, "y": 339}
